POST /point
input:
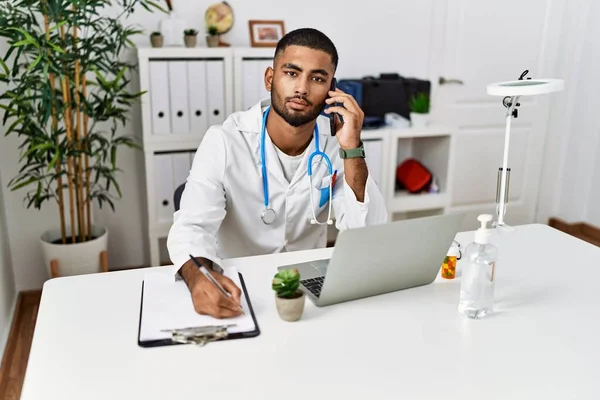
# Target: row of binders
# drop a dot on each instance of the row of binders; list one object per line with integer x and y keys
{"x": 186, "y": 96}
{"x": 189, "y": 96}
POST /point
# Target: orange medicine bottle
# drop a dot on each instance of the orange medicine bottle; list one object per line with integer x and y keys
{"x": 449, "y": 264}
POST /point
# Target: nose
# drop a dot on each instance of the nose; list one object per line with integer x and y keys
{"x": 302, "y": 86}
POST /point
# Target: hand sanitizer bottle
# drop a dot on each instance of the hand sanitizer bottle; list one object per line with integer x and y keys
{"x": 477, "y": 282}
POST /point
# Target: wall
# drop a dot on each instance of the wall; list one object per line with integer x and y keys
{"x": 573, "y": 155}
{"x": 7, "y": 282}
{"x": 391, "y": 36}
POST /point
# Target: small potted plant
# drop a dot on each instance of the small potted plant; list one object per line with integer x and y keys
{"x": 212, "y": 38}
{"x": 289, "y": 299}
{"x": 190, "y": 37}
{"x": 419, "y": 110}
{"x": 156, "y": 39}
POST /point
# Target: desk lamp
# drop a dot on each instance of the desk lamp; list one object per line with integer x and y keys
{"x": 512, "y": 92}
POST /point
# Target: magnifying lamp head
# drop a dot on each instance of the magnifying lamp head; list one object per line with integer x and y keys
{"x": 528, "y": 87}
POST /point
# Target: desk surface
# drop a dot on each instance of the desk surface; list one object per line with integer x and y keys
{"x": 544, "y": 342}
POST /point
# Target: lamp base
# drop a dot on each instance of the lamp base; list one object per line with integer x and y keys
{"x": 502, "y": 226}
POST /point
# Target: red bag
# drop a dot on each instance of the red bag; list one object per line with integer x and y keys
{"x": 413, "y": 176}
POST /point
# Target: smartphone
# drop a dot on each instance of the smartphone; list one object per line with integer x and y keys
{"x": 332, "y": 115}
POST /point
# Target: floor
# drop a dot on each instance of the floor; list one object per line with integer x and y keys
{"x": 14, "y": 362}
{"x": 16, "y": 354}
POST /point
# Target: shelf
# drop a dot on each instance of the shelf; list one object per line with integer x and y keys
{"x": 404, "y": 201}
{"x": 172, "y": 142}
{"x": 399, "y": 133}
{"x": 183, "y": 52}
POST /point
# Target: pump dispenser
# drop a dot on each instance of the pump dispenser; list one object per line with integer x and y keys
{"x": 478, "y": 273}
{"x": 482, "y": 235}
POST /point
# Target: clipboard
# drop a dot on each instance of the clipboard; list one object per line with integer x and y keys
{"x": 198, "y": 334}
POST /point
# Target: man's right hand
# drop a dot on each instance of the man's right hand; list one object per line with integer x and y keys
{"x": 207, "y": 298}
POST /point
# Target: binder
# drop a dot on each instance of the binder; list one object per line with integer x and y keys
{"x": 159, "y": 99}
{"x": 262, "y": 91}
{"x": 181, "y": 169}
{"x": 166, "y": 305}
{"x": 178, "y": 93}
{"x": 164, "y": 187}
{"x": 196, "y": 72}
{"x": 249, "y": 86}
{"x": 215, "y": 83}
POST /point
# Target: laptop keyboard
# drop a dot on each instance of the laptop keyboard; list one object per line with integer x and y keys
{"x": 314, "y": 285}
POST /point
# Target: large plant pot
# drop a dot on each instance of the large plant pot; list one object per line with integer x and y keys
{"x": 78, "y": 258}
{"x": 290, "y": 309}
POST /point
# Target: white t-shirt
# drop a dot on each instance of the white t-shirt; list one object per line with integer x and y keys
{"x": 289, "y": 163}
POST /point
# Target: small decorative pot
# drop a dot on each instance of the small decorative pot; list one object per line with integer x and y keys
{"x": 419, "y": 120}
{"x": 290, "y": 309}
{"x": 156, "y": 40}
{"x": 190, "y": 40}
{"x": 212, "y": 41}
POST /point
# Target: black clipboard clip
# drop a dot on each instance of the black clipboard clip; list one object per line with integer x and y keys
{"x": 199, "y": 335}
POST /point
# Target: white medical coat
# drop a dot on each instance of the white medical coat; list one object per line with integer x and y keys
{"x": 221, "y": 206}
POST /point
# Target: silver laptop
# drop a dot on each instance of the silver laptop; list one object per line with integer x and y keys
{"x": 379, "y": 259}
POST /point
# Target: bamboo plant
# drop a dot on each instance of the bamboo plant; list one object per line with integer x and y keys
{"x": 67, "y": 98}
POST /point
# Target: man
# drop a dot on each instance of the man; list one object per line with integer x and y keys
{"x": 248, "y": 191}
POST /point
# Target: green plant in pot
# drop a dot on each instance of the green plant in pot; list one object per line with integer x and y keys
{"x": 67, "y": 99}
{"x": 156, "y": 39}
{"x": 289, "y": 299}
{"x": 212, "y": 37}
{"x": 419, "y": 110}
{"x": 190, "y": 37}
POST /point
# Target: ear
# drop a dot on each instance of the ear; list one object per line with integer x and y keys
{"x": 269, "y": 78}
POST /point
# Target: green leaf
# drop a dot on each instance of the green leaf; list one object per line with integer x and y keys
{"x": 34, "y": 63}
{"x": 53, "y": 162}
{"x": 23, "y": 184}
{"x": 4, "y": 67}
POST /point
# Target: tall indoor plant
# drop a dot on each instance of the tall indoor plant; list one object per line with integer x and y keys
{"x": 67, "y": 98}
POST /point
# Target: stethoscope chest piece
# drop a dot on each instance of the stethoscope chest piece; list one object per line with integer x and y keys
{"x": 268, "y": 216}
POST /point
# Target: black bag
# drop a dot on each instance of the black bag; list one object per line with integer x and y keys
{"x": 389, "y": 93}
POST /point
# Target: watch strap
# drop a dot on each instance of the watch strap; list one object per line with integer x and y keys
{"x": 358, "y": 152}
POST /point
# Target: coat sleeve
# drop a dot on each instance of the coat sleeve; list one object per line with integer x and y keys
{"x": 351, "y": 213}
{"x": 202, "y": 207}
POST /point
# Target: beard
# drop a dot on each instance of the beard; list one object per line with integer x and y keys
{"x": 292, "y": 117}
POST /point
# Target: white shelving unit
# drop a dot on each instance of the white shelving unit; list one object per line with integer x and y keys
{"x": 189, "y": 89}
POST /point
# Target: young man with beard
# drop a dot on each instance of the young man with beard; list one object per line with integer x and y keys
{"x": 249, "y": 191}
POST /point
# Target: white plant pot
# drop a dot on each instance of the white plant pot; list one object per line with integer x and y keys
{"x": 78, "y": 258}
{"x": 418, "y": 120}
{"x": 290, "y": 309}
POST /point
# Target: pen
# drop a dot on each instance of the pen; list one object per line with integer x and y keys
{"x": 212, "y": 279}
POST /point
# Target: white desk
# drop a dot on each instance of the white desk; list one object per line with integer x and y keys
{"x": 543, "y": 344}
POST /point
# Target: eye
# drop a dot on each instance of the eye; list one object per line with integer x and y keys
{"x": 319, "y": 79}
{"x": 291, "y": 73}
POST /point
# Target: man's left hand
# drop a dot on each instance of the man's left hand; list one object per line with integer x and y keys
{"x": 347, "y": 132}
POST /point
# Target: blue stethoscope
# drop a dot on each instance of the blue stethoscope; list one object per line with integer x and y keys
{"x": 268, "y": 215}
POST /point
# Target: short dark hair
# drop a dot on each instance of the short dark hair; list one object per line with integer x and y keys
{"x": 311, "y": 38}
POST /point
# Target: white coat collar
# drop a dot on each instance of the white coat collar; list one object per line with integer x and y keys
{"x": 250, "y": 121}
